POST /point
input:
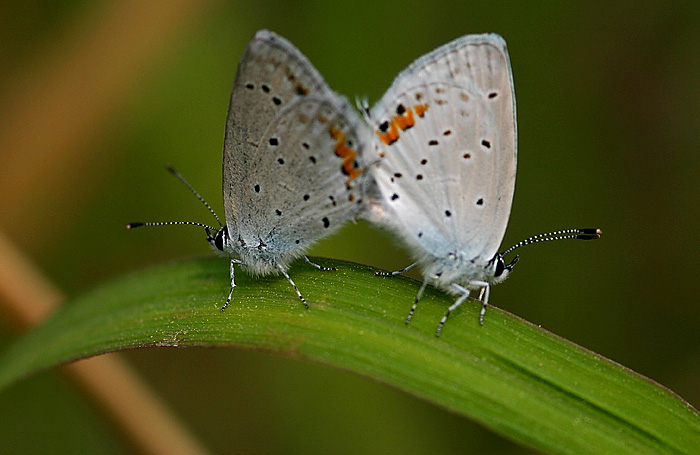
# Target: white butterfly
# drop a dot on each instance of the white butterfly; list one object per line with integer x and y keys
{"x": 292, "y": 162}
{"x": 446, "y": 149}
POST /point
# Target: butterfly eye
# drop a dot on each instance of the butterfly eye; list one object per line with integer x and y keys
{"x": 219, "y": 239}
{"x": 500, "y": 267}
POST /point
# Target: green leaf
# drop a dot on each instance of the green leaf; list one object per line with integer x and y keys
{"x": 517, "y": 379}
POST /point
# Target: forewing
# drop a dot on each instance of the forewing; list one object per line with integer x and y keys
{"x": 304, "y": 177}
{"x": 445, "y": 137}
{"x": 272, "y": 75}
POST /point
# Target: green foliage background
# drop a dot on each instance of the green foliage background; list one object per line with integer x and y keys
{"x": 608, "y": 100}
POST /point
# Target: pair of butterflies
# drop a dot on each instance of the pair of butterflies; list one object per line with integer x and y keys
{"x": 434, "y": 161}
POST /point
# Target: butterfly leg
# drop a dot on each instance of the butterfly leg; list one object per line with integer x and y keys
{"x": 415, "y": 302}
{"x": 320, "y": 267}
{"x": 397, "y": 272}
{"x": 286, "y": 275}
{"x": 233, "y": 284}
{"x": 464, "y": 295}
{"x": 484, "y": 297}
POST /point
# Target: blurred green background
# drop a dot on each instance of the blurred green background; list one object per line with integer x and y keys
{"x": 96, "y": 97}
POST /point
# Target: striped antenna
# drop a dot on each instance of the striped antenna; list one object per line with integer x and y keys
{"x": 566, "y": 234}
{"x": 209, "y": 229}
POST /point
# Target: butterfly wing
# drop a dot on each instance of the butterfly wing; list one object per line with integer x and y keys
{"x": 446, "y": 143}
{"x": 290, "y": 153}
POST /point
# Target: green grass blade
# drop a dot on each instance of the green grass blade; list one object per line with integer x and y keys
{"x": 517, "y": 379}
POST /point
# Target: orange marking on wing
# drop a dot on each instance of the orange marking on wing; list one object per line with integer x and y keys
{"x": 405, "y": 120}
{"x": 346, "y": 153}
{"x": 391, "y": 136}
{"x": 336, "y": 133}
{"x": 420, "y": 109}
{"x": 401, "y": 122}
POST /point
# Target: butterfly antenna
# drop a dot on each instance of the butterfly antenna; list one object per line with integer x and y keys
{"x": 566, "y": 234}
{"x": 187, "y": 184}
{"x": 165, "y": 223}
{"x": 362, "y": 103}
